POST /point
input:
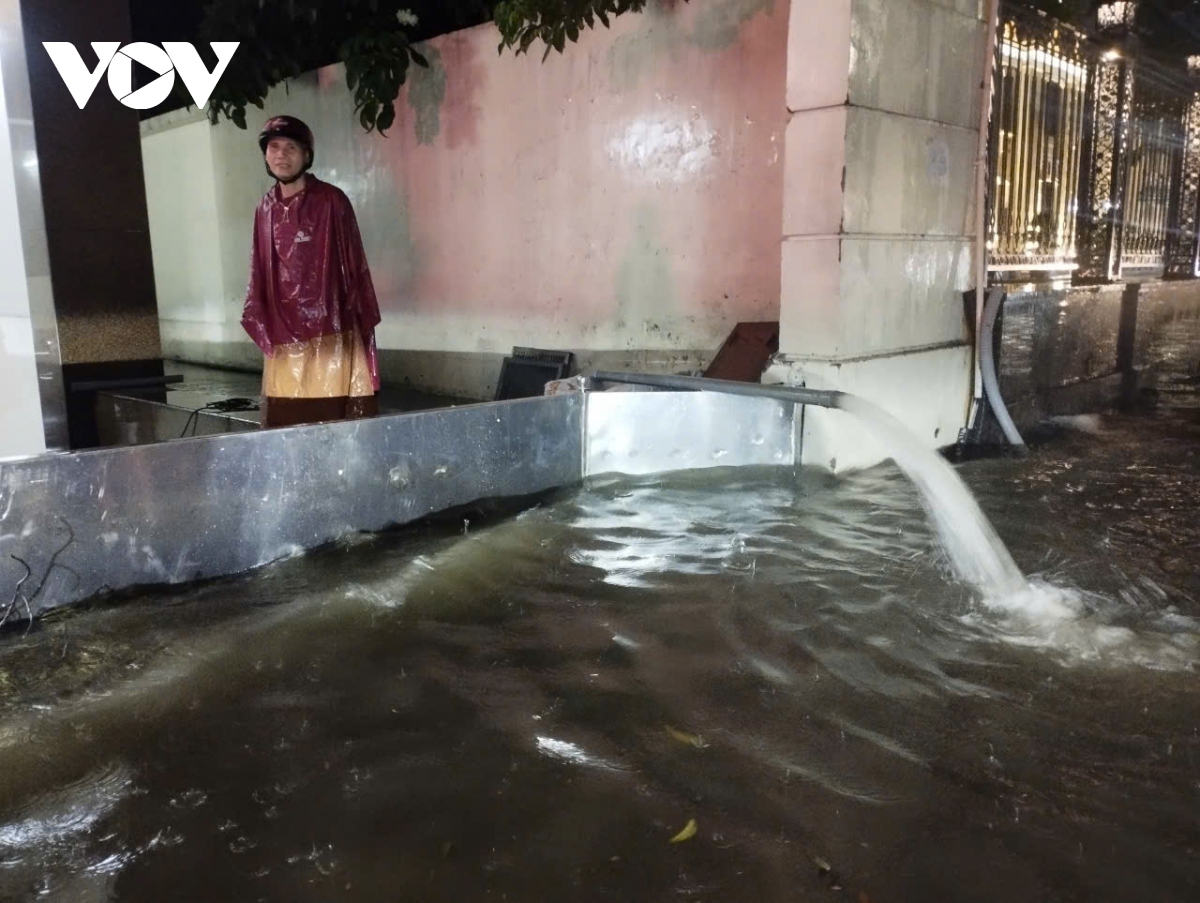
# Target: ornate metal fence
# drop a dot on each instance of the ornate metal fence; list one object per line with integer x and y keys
{"x": 1037, "y": 128}
{"x": 1182, "y": 257}
{"x": 1153, "y": 170}
{"x": 1094, "y": 158}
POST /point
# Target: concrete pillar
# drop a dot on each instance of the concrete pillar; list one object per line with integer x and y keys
{"x": 878, "y": 224}
{"x": 94, "y": 197}
{"x": 32, "y": 416}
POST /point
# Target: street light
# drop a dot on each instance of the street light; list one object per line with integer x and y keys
{"x": 1116, "y": 19}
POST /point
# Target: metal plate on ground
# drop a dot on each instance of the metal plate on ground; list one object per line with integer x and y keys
{"x": 655, "y": 432}
{"x": 103, "y": 520}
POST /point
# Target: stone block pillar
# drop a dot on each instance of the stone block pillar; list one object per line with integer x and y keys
{"x": 878, "y": 225}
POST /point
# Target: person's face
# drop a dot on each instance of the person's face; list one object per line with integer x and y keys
{"x": 285, "y": 158}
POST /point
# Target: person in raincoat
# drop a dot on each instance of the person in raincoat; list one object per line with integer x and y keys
{"x": 310, "y": 305}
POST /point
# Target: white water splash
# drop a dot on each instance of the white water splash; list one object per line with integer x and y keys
{"x": 571, "y": 752}
{"x": 73, "y": 810}
{"x": 1077, "y": 626}
{"x": 1033, "y": 613}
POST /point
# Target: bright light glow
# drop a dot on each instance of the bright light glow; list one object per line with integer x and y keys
{"x": 673, "y": 147}
{"x": 1041, "y": 57}
{"x": 1116, "y": 15}
{"x": 570, "y": 752}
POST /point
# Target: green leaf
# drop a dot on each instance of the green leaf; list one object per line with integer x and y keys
{"x": 420, "y": 59}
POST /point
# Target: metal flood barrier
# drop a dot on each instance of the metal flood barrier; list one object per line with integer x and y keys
{"x": 75, "y": 526}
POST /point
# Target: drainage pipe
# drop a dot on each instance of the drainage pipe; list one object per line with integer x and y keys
{"x": 986, "y": 76}
{"x": 823, "y": 398}
{"x": 987, "y": 364}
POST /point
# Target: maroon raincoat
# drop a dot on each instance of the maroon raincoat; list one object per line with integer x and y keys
{"x": 308, "y": 272}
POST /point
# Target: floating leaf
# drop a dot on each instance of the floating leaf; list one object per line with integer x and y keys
{"x": 688, "y": 832}
{"x": 690, "y": 739}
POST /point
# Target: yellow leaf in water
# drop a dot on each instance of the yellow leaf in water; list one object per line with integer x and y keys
{"x": 688, "y": 832}
{"x": 689, "y": 739}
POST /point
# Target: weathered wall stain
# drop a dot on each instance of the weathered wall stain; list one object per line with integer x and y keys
{"x": 467, "y": 77}
{"x": 644, "y": 284}
{"x": 718, "y": 26}
{"x": 426, "y": 92}
{"x": 394, "y": 249}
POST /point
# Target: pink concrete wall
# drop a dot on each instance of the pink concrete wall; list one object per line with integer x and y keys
{"x": 623, "y": 200}
{"x": 627, "y": 194}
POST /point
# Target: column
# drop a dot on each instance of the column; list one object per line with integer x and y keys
{"x": 1102, "y": 176}
{"x": 1102, "y": 189}
{"x": 32, "y": 416}
{"x": 879, "y": 224}
{"x": 94, "y": 197}
{"x": 1181, "y": 256}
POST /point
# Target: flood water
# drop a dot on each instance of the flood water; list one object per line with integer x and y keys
{"x": 727, "y": 686}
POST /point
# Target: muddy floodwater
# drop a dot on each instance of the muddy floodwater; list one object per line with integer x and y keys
{"x": 735, "y": 685}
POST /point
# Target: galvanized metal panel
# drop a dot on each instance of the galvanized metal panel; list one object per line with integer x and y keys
{"x": 204, "y": 507}
{"x": 25, "y": 257}
{"x": 654, "y": 432}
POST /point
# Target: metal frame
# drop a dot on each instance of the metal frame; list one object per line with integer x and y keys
{"x": 78, "y": 525}
{"x": 1093, "y": 164}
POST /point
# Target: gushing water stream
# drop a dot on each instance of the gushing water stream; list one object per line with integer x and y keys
{"x": 977, "y": 554}
{"x": 975, "y": 551}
